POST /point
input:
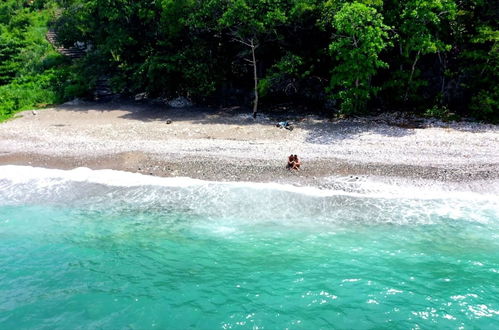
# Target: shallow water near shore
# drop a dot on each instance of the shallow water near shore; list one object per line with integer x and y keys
{"x": 107, "y": 249}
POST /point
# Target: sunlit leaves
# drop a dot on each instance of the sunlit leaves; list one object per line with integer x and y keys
{"x": 360, "y": 36}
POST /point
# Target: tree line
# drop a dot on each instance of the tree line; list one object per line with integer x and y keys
{"x": 433, "y": 57}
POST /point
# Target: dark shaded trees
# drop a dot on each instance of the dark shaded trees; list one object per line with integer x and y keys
{"x": 338, "y": 55}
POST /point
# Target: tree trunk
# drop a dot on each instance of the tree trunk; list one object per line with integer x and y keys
{"x": 251, "y": 44}
{"x": 401, "y": 54}
{"x": 406, "y": 97}
{"x": 356, "y": 101}
{"x": 255, "y": 77}
{"x": 442, "y": 88}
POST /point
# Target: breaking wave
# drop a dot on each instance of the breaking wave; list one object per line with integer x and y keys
{"x": 368, "y": 203}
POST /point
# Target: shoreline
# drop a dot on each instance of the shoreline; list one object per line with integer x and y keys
{"x": 323, "y": 174}
{"x": 222, "y": 145}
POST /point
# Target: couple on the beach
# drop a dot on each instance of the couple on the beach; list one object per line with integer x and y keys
{"x": 293, "y": 162}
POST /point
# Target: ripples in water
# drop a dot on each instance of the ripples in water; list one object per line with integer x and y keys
{"x": 206, "y": 255}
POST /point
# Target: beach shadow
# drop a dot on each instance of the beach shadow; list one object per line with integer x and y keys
{"x": 319, "y": 130}
{"x": 332, "y": 132}
{"x": 468, "y": 126}
{"x": 135, "y": 110}
{"x": 146, "y": 112}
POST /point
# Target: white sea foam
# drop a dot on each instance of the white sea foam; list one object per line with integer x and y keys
{"x": 24, "y": 174}
{"x": 364, "y": 188}
{"x": 255, "y": 202}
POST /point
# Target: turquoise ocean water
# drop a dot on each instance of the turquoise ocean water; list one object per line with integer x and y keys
{"x": 87, "y": 250}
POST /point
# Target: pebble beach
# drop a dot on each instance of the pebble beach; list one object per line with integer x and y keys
{"x": 229, "y": 145}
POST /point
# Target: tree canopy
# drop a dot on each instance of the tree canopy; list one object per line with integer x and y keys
{"x": 337, "y": 56}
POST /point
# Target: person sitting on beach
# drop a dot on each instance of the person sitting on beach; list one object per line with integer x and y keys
{"x": 297, "y": 162}
{"x": 291, "y": 162}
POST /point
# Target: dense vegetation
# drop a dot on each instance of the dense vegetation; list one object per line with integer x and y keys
{"x": 433, "y": 57}
{"x": 30, "y": 70}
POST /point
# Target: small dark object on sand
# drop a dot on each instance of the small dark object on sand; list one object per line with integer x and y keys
{"x": 168, "y": 121}
{"x": 284, "y": 124}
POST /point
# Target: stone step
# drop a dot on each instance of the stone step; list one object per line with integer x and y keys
{"x": 71, "y": 52}
{"x": 102, "y": 90}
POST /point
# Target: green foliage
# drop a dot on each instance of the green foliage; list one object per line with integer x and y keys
{"x": 361, "y": 54}
{"x": 359, "y": 39}
{"x": 485, "y": 105}
{"x": 25, "y": 95}
{"x": 9, "y": 47}
{"x": 284, "y": 76}
{"x": 32, "y": 74}
{"x": 421, "y": 23}
{"x": 420, "y": 32}
{"x": 248, "y": 18}
{"x": 440, "y": 112}
{"x": 483, "y": 69}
